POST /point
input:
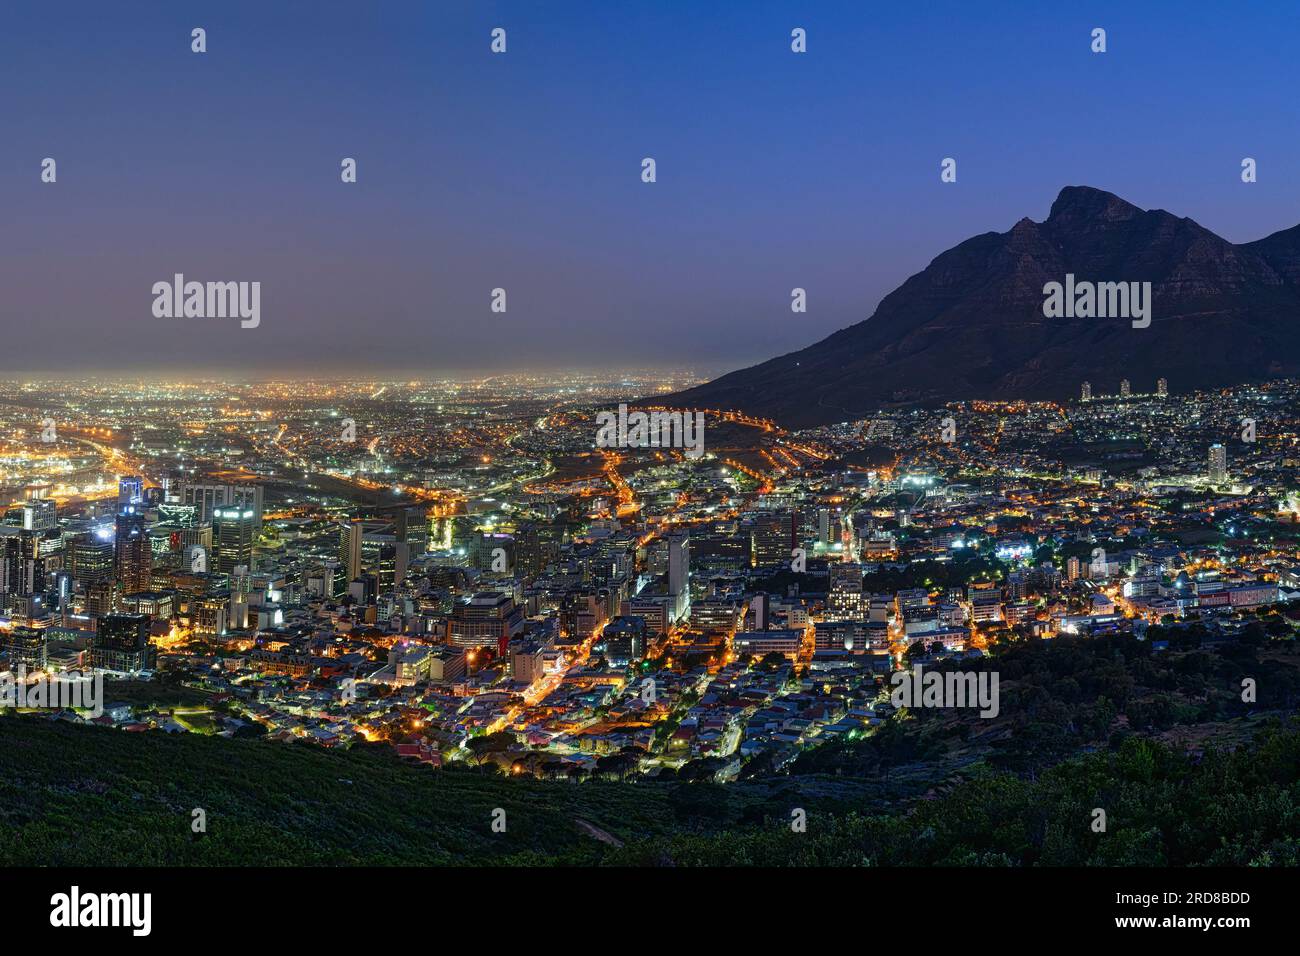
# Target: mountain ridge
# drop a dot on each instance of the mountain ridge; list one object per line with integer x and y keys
{"x": 970, "y": 325}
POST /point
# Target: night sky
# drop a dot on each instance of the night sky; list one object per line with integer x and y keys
{"x": 522, "y": 170}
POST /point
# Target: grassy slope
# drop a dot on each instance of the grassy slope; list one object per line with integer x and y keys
{"x": 85, "y": 795}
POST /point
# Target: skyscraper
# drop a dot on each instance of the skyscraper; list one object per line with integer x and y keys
{"x": 679, "y": 574}
{"x": 844, "y": 602}
{"x": 40, "y": 515}
{"x": 234, "y": 528}
{"x": 350, "y": 536}
{"x": 130, "y": 490}
{"x": 1124, "y": 390}
{"x": 1086, "y": 392}
{"x": 1218, "y": 464}
{"x": 411, "y": 525}
{"x": 22, "y": 568}
{"x": 773, "y": 540}
{"x": 1162, "y": 388}
{"x": 132, "y": 556}
{"x": 206, "y": 498}
{"x": 91, "y": 557}
{"x": 121, "y": 643}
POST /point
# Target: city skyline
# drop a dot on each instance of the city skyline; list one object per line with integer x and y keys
{"x": 440, "y": 438}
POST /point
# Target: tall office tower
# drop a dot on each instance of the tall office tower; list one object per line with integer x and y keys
{"x": 130, "y": 490}
{"x": 412, "y": 527}
{"x": 61, "y": 585}
{"x": 121, "y": 643}
{"x": 679, "y": 574}
{"x": 824, "y": 527}
{"x": 844, "y": 602}
{"x": 1086, "y": 392}
{"x": 1124, "y": 390}
{"x": 22, "y": 569}
{"x": 1218, "y": 464}
{"x": 1162, "y": 388}
{"x": 488, "y": 619}
{"x": 234, "y": 528}
{"x": 101, "y": 598}
{"x": 132, "y": 556}
{"x": 760, "y": 608}
{"x": 250, "y": 496}
{"x": 531, "y": 557}
{"x": 90, "y": 558}
{"x": 205, "y": 498}
{"x": 40, "y": 515}
{"x": 202, "y": 498}
{"x": 389, "y": 559}
{"x": 492, "y": 551}
{"x": 350, "y": 536}
{"x": 208, "y": 614}
{"x": 26, "y": 646}
{"x": 773, "y": 540}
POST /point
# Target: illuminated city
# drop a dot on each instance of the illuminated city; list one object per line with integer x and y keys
{"x": 454, "y": 569}
{"x": 449, "y": 446}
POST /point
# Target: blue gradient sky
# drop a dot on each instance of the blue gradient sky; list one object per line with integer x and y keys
{"x": 523, "y": 171}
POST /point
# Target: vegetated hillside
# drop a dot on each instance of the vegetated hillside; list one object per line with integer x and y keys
{"x": 80, "y": 795}
{"x": 937, "y": 787}
{"x": 1163, "y": 808}
{"x": 1072, "y": 695}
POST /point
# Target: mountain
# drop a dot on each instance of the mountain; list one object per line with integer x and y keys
{"x": 971, "y": 325}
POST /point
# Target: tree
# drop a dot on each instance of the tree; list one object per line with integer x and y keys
{"x": 499, "y": 742}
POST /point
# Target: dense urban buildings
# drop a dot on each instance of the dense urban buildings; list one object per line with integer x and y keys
{"x": 473, "y": 554}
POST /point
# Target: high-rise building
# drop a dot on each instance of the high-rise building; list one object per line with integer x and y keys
{"x": 1086, "y": 392}
{"x": 206, "y": 498}
{"x": 488, "y": 619}
{"x": 208, "y": 615}
{"x": 350, "y": 536}
{"x": 844, "y": 601}
{"x": 1124, "y": 390}
{"x": 773, "y": 540}
{"x": 1218, "y": 464}
{"x": 679, "y": 574}
{"x": 101, "y": 598}
{"x": 387, "y": 558}
{"x": 130, "y": 490}
{"x": 121, "y": 643}
{"x": 624, "y": 640}
{"x": 42, "y": 515}
{"x": 1162, "y": 388}
{"x": 27, "y": 646}
{"x": 536, "y": 546}
{"x": 22, "y": 567}
{"x": 132, "y": 555}
{"x": 234, "y": 529}
{"x": 90, "y": 557}
{"x": 411, "y": 526}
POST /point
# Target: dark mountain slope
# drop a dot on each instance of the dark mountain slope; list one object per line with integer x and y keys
{"x": 971, "y": 324}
